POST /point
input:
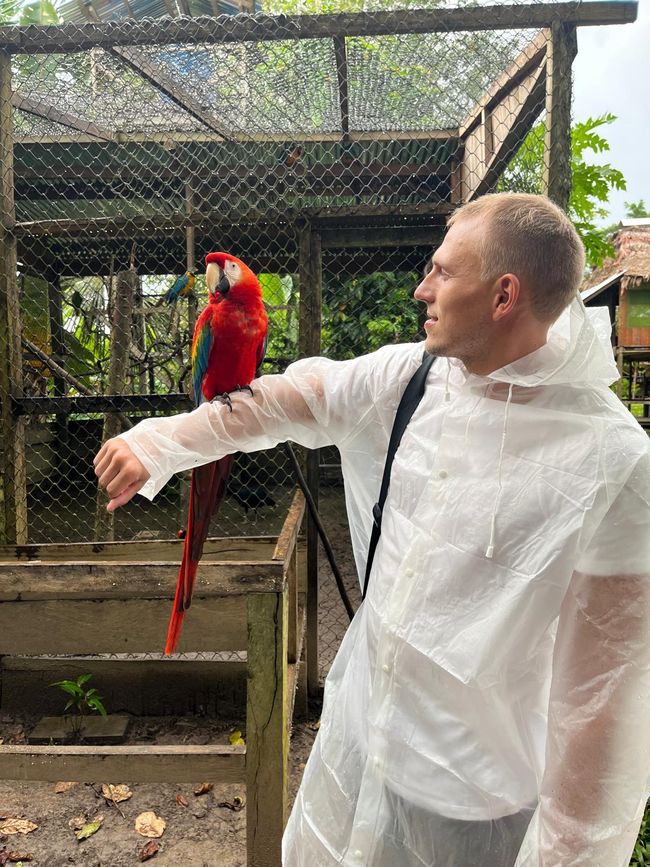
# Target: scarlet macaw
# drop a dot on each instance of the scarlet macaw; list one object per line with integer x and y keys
{"x": 182, "y": 286}
{"x": 227, "y": 351}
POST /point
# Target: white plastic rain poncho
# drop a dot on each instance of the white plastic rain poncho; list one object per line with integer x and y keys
{"x": 499, "y": 668}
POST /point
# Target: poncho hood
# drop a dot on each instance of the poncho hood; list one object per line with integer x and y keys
{"x": 578, "y": 351}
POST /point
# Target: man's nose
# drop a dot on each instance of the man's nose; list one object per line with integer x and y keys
{"x": 424, "y": 290}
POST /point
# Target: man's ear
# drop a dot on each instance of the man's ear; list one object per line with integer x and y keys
{"x": 507, "y": 294}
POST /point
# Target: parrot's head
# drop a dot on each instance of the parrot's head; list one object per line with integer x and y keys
{"x": 228, "y": 277}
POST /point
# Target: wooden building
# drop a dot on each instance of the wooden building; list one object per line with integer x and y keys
{"x": 623, "y": 285}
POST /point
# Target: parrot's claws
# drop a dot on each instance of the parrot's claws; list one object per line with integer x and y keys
{"x": 224, "y": 398}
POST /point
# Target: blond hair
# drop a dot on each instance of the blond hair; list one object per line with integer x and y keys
{"x": 531, "y": 237}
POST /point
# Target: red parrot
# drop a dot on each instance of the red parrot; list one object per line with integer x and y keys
{"x": 227, "y": 351}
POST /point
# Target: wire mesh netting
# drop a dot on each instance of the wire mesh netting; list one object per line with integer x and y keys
{"x": 135, "y": 155}
{"x": 326, "y": 151}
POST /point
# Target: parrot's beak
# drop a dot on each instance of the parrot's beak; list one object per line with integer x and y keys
{"x": 216, "y": 279}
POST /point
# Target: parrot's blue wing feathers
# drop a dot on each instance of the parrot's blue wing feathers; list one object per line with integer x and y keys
{"x": 200, "y": 357}
{"x": 179, "y": 284}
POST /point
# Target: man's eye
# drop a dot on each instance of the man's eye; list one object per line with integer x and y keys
{"x": 427, "y": 269}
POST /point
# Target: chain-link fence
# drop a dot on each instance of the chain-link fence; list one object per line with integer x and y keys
{"x": 326, "y": 151}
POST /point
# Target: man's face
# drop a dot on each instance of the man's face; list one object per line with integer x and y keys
{"x": 459, "y": 302}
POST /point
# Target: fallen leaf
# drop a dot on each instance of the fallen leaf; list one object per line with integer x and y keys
{"x": 203, "y": 788}
{"x": 15, "y": 825}
{"x": 76, "y": 822}
{"x": 236, "y": 804}
{"x": 181, "y": 800}
{"x": 148, "y": 850}
{"x": 59, "y": 788}
{"x": 88, "y": 830}
{"x": 236, "y": 739}
{"x": 19, "y": 856}
{"x": 116, "y": 793}
{"x": 149, "y": 825}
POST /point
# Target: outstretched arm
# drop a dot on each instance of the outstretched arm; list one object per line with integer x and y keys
{"x": 144, "y": 458}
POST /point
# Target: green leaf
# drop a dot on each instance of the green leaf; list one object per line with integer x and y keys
{"x": 88, "y": 830}
{"x": 83, "y": 678}
{"x": 97, "y": 704}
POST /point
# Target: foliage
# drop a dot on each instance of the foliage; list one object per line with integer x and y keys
{"x": 84, "y": 701}
{"x": 592, "y": 182}
{"x": 30, "y": 12}
{"x": 636, "y": 210}
{"x": 366, "y": 312}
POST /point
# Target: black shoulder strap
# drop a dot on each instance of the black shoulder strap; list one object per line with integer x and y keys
{"x": 407, "y": 406}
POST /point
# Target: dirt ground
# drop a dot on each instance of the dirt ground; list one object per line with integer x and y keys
{"x": 201, "y": 830}
{"x": 206, "y": 830}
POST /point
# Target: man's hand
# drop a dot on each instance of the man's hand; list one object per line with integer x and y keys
{"x": 119, "y": 472}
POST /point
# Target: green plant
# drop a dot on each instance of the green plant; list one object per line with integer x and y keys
{"x": 84, "y": 701}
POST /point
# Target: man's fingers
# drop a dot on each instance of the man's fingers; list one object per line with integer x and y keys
{"x": 124, "y": 496}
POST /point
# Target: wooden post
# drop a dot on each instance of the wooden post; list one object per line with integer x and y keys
{"x": 562, "y": 48}
{"x": 190, "y": 265}
{"x": 55, "y": 306}
{"x": 122, "y": 316}
{"x": 310, "y": 275}
{"x": 13, "y": 479}
{"x": 267, "y": 731}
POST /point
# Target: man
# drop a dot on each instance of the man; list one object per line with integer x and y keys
{"x": 487, "y": 707}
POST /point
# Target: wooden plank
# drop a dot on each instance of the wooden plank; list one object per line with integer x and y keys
{"x": 296, "y": 671}
{"x": 292, "y": 602}
{"x": 253, "y": 549}
{"x": 286, "y": 542}
{"x": 115, "y": 580}
{"x": 267, "y": 733}
{"x": 155, "y": 75}
{"x": 138, "y": 763}
{"x": 378, "y": 236}
{"x": 13, "y": 478}
{"x": 265, "y": 28}
{"x": 120, "y": 626}
{"x": 42, "y": 108}
{"x": 557, "y": 141}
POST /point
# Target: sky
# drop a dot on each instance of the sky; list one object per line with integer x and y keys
{"x": 612, "y": 74}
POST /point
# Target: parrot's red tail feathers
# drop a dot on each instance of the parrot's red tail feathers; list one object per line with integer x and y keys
{"x": 207, "y": 490}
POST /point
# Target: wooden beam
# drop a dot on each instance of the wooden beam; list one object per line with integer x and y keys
{"x": 416, "y": 236}
{"x": 267, "y": 728}
{"x": 13, "y": 479}
{"x": 154, "y": 74}
{"x": 140, "y": 763}
{"x": 402, "y": 135}
{"x": 527, "y": 60}
{"x": 265, "y": 28}
{"x": 163, "y": 224}
{"x": 41, "y": 108}
{"x": 513, "y": 120}
{"x": 557, "y": 139}
{"x": 123, "y": 403}
{"x": 341, "y": 57}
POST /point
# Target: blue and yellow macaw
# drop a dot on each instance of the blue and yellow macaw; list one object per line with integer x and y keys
{"x": 181, "y": 287}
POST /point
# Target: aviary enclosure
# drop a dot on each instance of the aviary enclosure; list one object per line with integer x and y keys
{"x": 324, "y": 150}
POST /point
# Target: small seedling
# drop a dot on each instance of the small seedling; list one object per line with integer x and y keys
{"x": 84, "y": 701}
